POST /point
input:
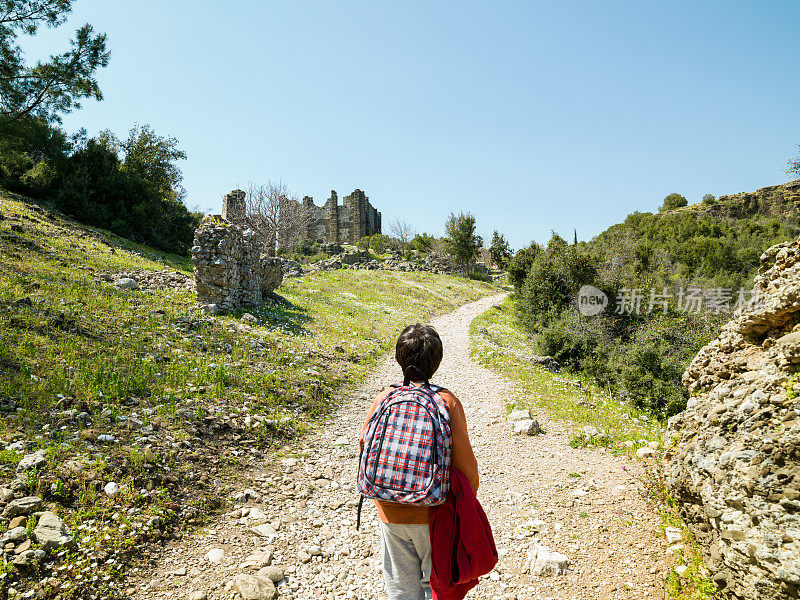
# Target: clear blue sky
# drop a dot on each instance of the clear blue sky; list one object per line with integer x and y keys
{"x": 533, "y": 116}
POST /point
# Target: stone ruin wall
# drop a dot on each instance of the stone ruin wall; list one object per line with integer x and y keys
{"x": 230, "y": 270}
{"x": 344, "y": 223}
{"x": 732, "y": 458}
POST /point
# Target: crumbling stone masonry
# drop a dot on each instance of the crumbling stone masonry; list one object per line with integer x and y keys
{"x": 732, "y": 458}
{"x": 347, "y": 223}
{"x": 229, "y": 269}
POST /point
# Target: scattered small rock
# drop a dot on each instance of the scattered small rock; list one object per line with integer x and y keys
{"x": 126, "y": 283}
{"x": 22, "y": 506}
{"x": 32, "y": 461}
{"x": 547, "y": 563}
{"x": 645, "y": 452}
{"x": 548, "y": 362}
{"x": 673, "y": 534}
{"x": 589, "y": 432}
{"x": 247, "y": 495}
{"x": 527, "y": 427}
{"x": 275, "y": 574}
{"x": 264, "y": 530}
{"x": 250, "y": 319}
{"x": 16, "y": 534}
{"x": 51, "y": 533}
{"x": 518, "y": 415}
{"x": 252, "y": 587}
{"x": 259, "y": 559}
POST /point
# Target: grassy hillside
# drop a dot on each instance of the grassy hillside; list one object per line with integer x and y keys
{"x": 780, "y": 202}
{"x": 140, "y": 389}
{"x": 500, "y": 344}
{"x": 671, "y": 279}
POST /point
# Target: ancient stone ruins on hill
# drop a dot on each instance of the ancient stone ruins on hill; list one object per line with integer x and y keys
{"x": 229, "y": 268}
{"x": 732, "y": 458}
{"x": 335, "y": 224}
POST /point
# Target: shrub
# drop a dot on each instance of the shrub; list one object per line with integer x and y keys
{"x": 131, "y": 187}
{"x": 306, "y": 247}
{"x": 552, "y": 282}
{"x": 520, "y": 264}
{"x": 673, "y": 201}
{"x": 363, "y": 243}
{"x": 485, "y": 277}
{"x": 423, "y": 242}
{"x": 571, "y": 343}
{"x": 462, "y": 242}
{"x": 378, "y": 243}
{"x": 500, "y": 250}
{"x": 647, "y": 365}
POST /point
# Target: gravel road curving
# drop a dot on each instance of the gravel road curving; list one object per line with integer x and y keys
{"x": 585, "y": 503}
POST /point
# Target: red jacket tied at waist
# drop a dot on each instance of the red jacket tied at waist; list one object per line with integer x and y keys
{"x": 462, "y": 545}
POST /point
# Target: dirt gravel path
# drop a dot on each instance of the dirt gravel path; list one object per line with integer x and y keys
{"x": 585, "y": 503}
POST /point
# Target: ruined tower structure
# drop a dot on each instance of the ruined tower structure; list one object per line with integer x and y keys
{"x": 229, "y": 269}
{"x": 234, "y": 207}
{"x": 347, "y": 223}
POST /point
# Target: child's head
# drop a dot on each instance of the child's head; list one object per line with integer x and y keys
{"x": 418, "y": 346}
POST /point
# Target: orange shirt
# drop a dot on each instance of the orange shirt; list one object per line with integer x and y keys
{"x": 462, "y": 458}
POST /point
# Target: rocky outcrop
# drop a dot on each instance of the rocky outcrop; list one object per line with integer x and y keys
{"x": 778, "y": 201}
{"x": 149, "y": 280}
{"x": 361, "y": 259}
{"x": 732, "y": 458}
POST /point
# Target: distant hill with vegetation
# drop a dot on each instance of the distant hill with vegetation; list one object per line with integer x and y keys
{"x": 779, "y": 201}
{"x": 671, "y": 279}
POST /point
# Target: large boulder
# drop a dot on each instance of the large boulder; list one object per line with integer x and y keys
{"x": 271, "y": 274}
{"x": 732, "y": 458}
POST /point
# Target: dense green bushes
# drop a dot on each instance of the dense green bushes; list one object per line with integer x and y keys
{"x": 520, "y": 264}
{"x": 635, "y": 353}
{"x": 131, "y": 186}
{"x": 423, "y": 242}
{"x": 378, "y": 243}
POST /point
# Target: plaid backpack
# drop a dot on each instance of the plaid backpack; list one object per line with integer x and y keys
{"x": 405, "y": 456}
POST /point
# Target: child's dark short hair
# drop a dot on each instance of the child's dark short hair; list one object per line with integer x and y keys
{"x": 419, "y": 346}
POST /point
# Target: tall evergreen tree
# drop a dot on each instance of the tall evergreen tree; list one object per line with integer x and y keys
{"x": 46, "y": 89}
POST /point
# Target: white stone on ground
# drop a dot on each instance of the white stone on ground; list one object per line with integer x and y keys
{"x": 547, "y": 563}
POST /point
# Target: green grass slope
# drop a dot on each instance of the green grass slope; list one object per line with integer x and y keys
{"x": 141, "y": 389}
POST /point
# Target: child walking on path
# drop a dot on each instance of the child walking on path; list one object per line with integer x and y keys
{"x": 405, "y": 534}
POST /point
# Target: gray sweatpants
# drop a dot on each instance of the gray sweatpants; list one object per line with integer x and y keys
{"x": 406, "y": 553}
